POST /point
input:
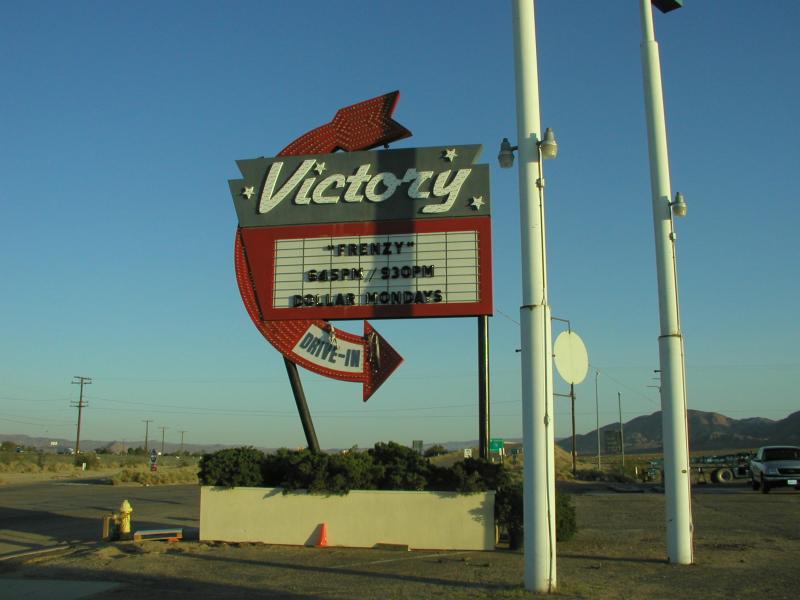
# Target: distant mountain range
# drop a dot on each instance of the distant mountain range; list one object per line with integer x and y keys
{"x": 707, "y": 431}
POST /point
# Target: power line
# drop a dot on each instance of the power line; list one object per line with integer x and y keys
{"x": 619, "y": 383}
{"x": 28, "y": 400}
{"x": 502, "y": 314}
{"x": 40, "y": 423}
{"x": 199, "y": 410}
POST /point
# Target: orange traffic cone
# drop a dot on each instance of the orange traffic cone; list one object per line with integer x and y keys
{"x": 323, "y": 536}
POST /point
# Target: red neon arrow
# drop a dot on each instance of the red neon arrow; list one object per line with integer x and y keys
{"x": 315, "y": 344}
{"x": 362, "y": 126}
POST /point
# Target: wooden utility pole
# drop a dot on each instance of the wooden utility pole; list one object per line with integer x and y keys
{"x": 80, "y": 405}
{"x": 146, "y": 433}
{"x": 163, "y": 429}
{"x": 621, "y": 434}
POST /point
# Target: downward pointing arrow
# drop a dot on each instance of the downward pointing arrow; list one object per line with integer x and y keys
{"x": 361, "y": 126}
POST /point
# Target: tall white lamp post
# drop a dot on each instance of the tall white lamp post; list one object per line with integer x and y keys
{"x": 536, "y": 340}
{"x": 677, "y": 484}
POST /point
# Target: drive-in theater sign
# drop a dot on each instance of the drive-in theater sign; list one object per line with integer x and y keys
{"x": 360, "y": 234}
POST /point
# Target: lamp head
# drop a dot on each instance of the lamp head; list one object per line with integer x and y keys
{"x": 548, "y": 145}
{"x": 679, "y": 207}
{"x": 506, "y": 155}
{"x": 666, "y": 6}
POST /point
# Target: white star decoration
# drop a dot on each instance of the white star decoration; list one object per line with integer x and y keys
{"x": 477, "y": 202}
{"x": 248, "y": 192}
{"x": 449, "y": 154}
{"x": 319, "y": 167}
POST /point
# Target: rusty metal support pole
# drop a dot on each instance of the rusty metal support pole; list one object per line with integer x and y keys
{"x": 484, "y": 415}
{"x": 302, "y": 406}
{"x": 574, "y": 451}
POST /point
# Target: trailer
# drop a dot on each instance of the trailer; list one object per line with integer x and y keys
{"x": 716, "y": 468}
{"x": 722, "y": 468}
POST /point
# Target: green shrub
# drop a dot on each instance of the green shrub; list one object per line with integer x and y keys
{"x": 508, "y": 510}
{"x": 90, "y": 458}
{"x": 468, "y": 476}
{"x": 350, "y": 471}
{"x": 595, "y": 475}
{"x": 387, "y": 466}
{"x": 319, "y": 473}
{"x": 308, "y": 471}
{"x": 398, "y": 467}
{"x": 566, "y": 526}
{"x": 232, "y": 467}
{"x": 145, "y": 476}
{"x": 435, "y": 450}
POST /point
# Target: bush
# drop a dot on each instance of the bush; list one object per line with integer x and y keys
{"x": 145, "y": 476}
{"x": 90, "y": 458}
{"x": 468, "y": 476}
{"x": 508, "y": 510}
{"x": 398, "y": 467}
{"x": 610, "y": 476}
{"x": 435, "y": 450}
{"x": 566, "y": 526}
{"x": 232, "y": 467}
{"x": 319, "y": 473}
{"x": 351, "y": 471}
{"x": 387, "y": 466}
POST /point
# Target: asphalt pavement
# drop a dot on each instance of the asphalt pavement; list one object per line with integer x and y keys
{"x": 39, "y": 516}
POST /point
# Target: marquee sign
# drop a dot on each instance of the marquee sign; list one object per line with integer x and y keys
{"x": 384, "y": 269}
{"x": 393, "y": 233}
{"x": 358, "y": 234}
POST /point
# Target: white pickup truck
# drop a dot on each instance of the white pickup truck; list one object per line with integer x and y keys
{"x": 775, "y": 466}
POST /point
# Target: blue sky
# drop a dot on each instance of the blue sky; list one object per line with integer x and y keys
{"x": 121, "y": 124}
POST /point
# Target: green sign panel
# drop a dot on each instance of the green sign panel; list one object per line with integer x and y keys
{"x": 496, "y": 444}
{"x": 613, "y": 441}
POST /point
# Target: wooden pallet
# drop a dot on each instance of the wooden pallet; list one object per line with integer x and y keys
{"x": 171, "y": 535}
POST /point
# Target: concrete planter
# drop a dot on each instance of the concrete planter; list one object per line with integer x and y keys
{"x": 429, "y": 520}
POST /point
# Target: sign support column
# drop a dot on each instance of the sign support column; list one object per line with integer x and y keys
{"x": 302, "y": 406}
{"x": 484, "y": 413}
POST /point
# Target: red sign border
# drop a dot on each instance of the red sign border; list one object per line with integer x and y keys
{"x": 260, "y": 244}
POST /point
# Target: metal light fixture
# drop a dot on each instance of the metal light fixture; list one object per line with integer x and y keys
{"x": 666, "y": 6}
{"x": 679, "y": 207}
{"x": 548, "y": 148}
{"x": 548, "y": 145}
{"x": 506, "y": 156}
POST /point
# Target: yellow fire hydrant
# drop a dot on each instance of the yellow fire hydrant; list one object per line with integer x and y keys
{"x": 125, "y": 510}
{"x": 118, "y": 525}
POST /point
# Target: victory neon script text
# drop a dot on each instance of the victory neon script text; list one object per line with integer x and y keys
{"x": 361, "y": 185}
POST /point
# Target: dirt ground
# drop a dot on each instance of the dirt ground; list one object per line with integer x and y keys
{"x": 746, "y": 545}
